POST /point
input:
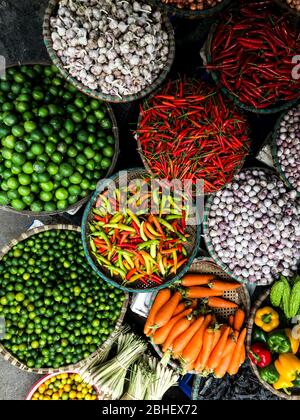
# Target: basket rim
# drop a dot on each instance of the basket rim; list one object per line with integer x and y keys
{"x": 52, "y": 5}
{"x": 247, "y": 307}
{"x": 80, "y": 203}
{"x": 9, "y": 357}
{"x": 209, "y": 244}
{"x": 274, "y": 148}
{"x": 254, "y": 368}
{"x": 139, "y": 149}
{"x": 111, "y": 281}
{"x": 232, "y": 97}
{"x": 187, "y": 13}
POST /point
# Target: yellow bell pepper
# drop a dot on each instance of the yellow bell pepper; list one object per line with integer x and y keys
{"x": 288, "y": 366}
{"x": 267, "y": 319}
{"x": 294, "y": 341}
{"x": 283, "y": 383}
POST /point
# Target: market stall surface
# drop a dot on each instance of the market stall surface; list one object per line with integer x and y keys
{"x": 21, "y": 22}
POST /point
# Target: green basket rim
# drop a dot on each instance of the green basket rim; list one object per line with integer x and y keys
{"x": 190, "y": 14}
{"x": 274, "y": 148}
{"x": 111, "y": 281}
{"x": 139, "y": 149}
{"x": 52, "y": 5}
{"x": 80, "y": 203}
{"x": 233, "y": 98}
{"x": 209, "y": 244}
{"x": 9, "y": 357}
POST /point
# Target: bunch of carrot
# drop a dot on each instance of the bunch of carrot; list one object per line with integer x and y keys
{"x": 198, "y": 342}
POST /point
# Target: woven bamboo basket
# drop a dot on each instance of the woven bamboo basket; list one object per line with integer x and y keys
{"x": 51, "y": 10}
{"x": 80, "y": 203}
{"x": 278, "y": 107}
{"x": 237, "y": 169}
{"x": 274, "y": 148}
{"x": 138, "y": 287}
{"x": 191, "y": 14}
{"x": 205, "y": 265}
{"x": 210, "y": 246}
{"x": 71, "y": 368}
{"x": 264, "y": 299}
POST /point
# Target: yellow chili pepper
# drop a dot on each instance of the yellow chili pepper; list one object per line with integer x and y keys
{"x": 267, "y": 319}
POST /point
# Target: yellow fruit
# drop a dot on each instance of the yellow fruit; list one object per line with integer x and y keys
{"x": 77, "y": 378}
{"x": 47, "y": 383}
{"x": 72, "y": 395}
{"x": 79, "y": 387}
{"x": 85, "y": 391}
{"x": 49, "y": 392}
{"x": 55, "y": 396}
{"x": 67, "y": 388}
{"x": 88, "y": 397}
{"x": 94, "y": 397}
{"x": 47, "y": 398}
{"x": 42, "y": 389}
{"x": 79, "y": 395}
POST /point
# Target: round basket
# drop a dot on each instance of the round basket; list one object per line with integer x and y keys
{"x": 275, "y": 155}
{"x": 13, "y": 360}
{"x": 279, "y": 107}
{"x": 139, "y": 287}
{"x": 206, "y": 265}
{"x": 237, "y": 169}
{"x": 191, "y": 14}
{"x": 50, "y": 11}
{"x": 210, "y": 246}
{"x": 110, "y": 171}
{"x": 254, "y": 368}
{"x": 45, "y": 378}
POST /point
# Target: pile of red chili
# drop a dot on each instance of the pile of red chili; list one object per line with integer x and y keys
{"x": 252, "y": 54}
{"x": 190, "y": 131}
{"x": 134, "y": 245}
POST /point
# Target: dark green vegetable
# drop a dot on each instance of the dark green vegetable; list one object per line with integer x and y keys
{"x": 276, "y": 294}
{"x": 269, "y": 374}
{"x": 57, "y": 310}
{"x": 259, "y": 336}
{"x": 278, "y": 342}
{"x": 48, "y": 128}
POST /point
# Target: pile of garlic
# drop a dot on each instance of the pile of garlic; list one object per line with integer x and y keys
{"x": 116, "y": 47}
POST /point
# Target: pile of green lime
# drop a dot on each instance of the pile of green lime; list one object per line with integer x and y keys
{"x": 57, "y": 311}
{"x": 56, "y": 142}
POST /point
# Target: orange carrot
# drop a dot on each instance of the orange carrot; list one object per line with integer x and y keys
{"x": 231, "y": 320}
{"x": 183, "y": 340}
{"x": 201, "y": 292}
{"x": 238, "y": 354}
{"x": 231, "y": 342}
{"x": 165, "y": 313}
{"x": 162, "y": 333}
{"x": 180, "y": 326}
{"x": 192, "y": 350}
{"x": 239, "y": 319}
{"x": 221, "y": 370}
{"x": 243, "y": 355}
{"x": 208, "y": 341}
{"x": 196, "y": 279}
{"x": 191, "y": 304}
{"x": 189, "y": 367}
{"x": 161, "y": 299}
{"x": 224, "y": 285}
{"x": 216, "y": 355}
{"x": 216, "y": 302}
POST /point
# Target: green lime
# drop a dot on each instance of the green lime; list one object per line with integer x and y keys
{"x": 47, "y": 186}
{"x": 108, "y": 151}
{"x": 52, "y": 169}
{"x": 10, "y": 120}
{"x": 20, "y": 146}
{"x": 24, "y": 179}
{"x": 29, "y": 126}
{"x": 57, "y": 157}
{"x": 3, "y": 199}
{"x": 37, "y": 149}
{"x": 18, "y": 159}
{"x": 61, "y": 194}
{"x": 13, "y": 183}
{"x": 36, "y": 207}
{"x": 62, "y": 205}
{"x": 46, "y": 196}
{"x": 18, "y": 131}
{"x": 72, "y": 152}
{"x": 65, "y": 170}
{"x": 24, "y": 191}
{"x": 9, "y": 142}
{"x": 74, "y": 190}
{"x": 18, "y": 205}
{"x": 76, "y": 178}
{"x": 105, "y": 163}
{"x": 39, "y": 167}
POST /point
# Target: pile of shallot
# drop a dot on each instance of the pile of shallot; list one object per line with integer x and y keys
{"x": 116, "y": 47}
{"x": 288, "y": 146}
{"x": 253, "y": 227}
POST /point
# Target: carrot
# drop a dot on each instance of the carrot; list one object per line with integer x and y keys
{"x": 165, "y": 313}
{"x": 238, "y": 353}
{"x": 216, "y": 302}
{"x": 231, "y": 320}
{"x": 243, "y": 355}
{"x": 201, "y": 292}
{"x": 231, "y": 343}
{"x": 239, "y": 319}
{"x": 208, "y": 340}
{"x": 185, "y": 305}
{"x": 192, "y": 350}
{"x": 180, "y": 326}
{"x": 162, "y": 297}
{"x": 216, "y": 355}
{"x": 162, "y": 333}
{"x": 196, "y": 279}
{"x": 223, "y": 285}
{"x": 183, "y": 340}
{"x": 223, "y": 366}
{"x": 189, "y": 367}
